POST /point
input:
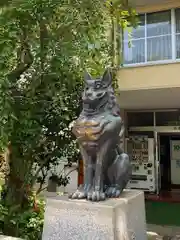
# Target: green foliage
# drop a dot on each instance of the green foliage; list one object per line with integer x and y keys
{"x": 60, "y": 180}
{"x": 38, "y": 106}
{"x": 64, "y": 39}
{"x": 44, "y": 47}
{"x": 28, "y": 224}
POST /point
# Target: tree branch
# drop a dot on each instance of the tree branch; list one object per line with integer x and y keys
{"x": 25, "y": 58}
{"x": 42, "y": 182}
{"x": 42, "y": 189}
{"x": 38, "y": 171}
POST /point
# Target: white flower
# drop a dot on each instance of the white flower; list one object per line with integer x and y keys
{"x": 71, "y": 125}
{"x": 61, "y": 133}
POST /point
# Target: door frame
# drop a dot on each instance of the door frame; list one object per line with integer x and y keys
{"x": 157, "y": 161}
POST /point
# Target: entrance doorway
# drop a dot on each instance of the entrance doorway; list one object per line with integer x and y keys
{"x": 165, "y": 163}
{"x": 169, "y": 154}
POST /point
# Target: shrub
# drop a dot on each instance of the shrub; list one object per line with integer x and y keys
{"x": 28, "y": 224}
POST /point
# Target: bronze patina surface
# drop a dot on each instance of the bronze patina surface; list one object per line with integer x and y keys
{"x": 98, "y": 130}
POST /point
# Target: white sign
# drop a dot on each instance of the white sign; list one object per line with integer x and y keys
{"x": 175, "y": 149}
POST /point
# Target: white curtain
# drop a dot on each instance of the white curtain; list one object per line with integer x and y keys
{"x": 134, "y": 45}
{"x": 158, "y": 43}
{"x": 135, "y": 53}
{"x": 177, "y": 14}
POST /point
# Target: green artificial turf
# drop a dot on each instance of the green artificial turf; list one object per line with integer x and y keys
{"x": 162, "y": 213}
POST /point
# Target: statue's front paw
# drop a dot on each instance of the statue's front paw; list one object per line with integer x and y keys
{"x": 113, "y": 192}
{"x": 78, "y": 195}
{"x": 96, "y": 196}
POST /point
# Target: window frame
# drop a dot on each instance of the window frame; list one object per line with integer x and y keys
{"x": 174, "y": 34}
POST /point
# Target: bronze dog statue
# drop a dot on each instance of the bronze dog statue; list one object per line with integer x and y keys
{"x": 98, "y": 130}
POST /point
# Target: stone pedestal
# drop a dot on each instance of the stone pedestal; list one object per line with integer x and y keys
{"x": 113, "y": 219}
{"x": 2, "y": 237}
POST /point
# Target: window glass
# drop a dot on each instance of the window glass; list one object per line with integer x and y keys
{"x": 159, "y": 48}
{"x": 134, "y": 43}
{"x": 135, "y": 53}
{"x": 178, "y": 46}
{"x": 158, "y": 23}
{"x": 168, "y": 118}
{"x": 177, "y": 14}
{"x": 140, "y": 119}
{"x": 158, "y": 44}
{"x": 138, "y": 32}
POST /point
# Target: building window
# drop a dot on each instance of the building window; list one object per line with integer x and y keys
{"x": 157, "y": 38}
{"x": 177, "y": 38}
{"x": 140, "y": 119}
{"x": 168, "y": 118}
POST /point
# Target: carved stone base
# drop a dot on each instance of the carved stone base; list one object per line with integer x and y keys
{"x": 113, "y": 219}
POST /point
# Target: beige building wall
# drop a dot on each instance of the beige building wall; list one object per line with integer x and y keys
{"x": 151, "y": 76}
{"x": 145, "y": 6}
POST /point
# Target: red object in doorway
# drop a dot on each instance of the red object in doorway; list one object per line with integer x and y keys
{"x": 80, "y": 172}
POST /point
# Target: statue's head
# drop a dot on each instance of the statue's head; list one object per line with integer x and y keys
{"x": 96, "y": 90}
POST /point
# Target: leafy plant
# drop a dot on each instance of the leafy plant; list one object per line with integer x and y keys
{"x": 60, "y": 180}
{"x": 28, "y": 224}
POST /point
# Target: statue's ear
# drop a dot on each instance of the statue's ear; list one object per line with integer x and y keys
{"x": 87, "y": 76}
{"x": 107, "y": 78}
